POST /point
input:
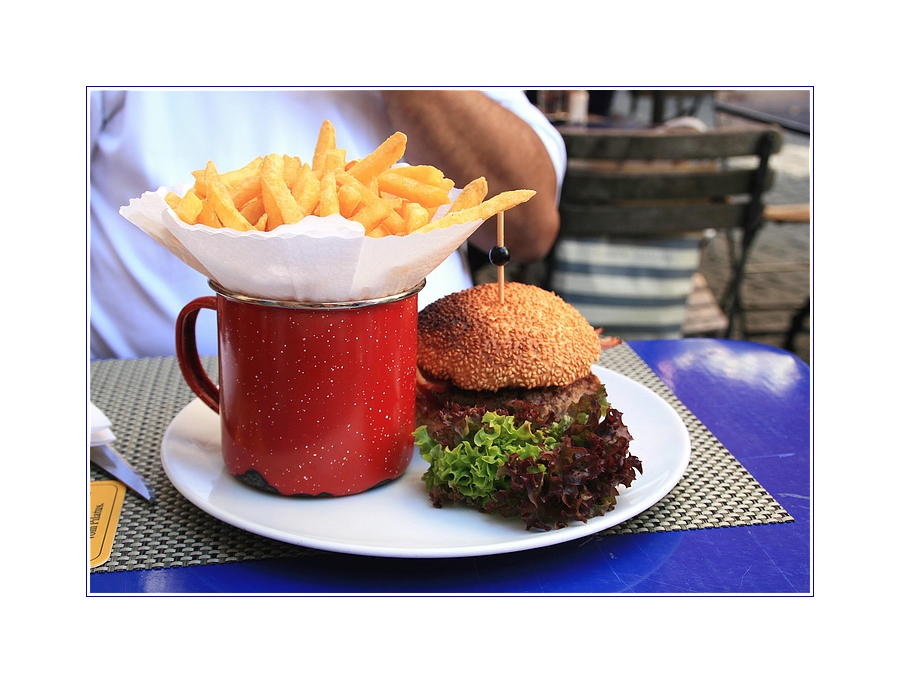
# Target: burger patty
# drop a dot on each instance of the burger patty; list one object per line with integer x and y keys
{"x": 556, "y": 399}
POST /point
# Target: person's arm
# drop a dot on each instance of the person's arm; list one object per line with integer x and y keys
{"x": 467, "y": 134}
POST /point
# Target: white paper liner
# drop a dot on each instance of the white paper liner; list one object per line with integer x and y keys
{"x": 317, "y": 259}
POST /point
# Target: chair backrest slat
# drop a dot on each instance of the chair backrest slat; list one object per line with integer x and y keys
{"x": 661, "y": 144}
{"x": 585, "y": 184}
{"x": 658, "y": 220}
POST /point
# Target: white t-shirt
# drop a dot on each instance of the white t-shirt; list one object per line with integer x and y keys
{"x": 142, "y": 140}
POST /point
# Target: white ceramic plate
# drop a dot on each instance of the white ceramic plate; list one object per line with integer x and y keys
{"x": 398, "y": 520}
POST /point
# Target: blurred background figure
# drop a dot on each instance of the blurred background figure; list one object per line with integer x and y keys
{"x": 141, "y": 140}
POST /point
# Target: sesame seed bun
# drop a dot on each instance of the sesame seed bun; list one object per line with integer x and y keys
{"x": 533, "y": 339}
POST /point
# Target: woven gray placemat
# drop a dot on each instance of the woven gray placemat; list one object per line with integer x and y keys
{"x": 141, "y": 397}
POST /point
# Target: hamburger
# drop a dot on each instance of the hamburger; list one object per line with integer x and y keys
{"x": 511, "y": 417}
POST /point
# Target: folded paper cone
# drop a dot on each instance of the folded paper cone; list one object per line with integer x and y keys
{"x": 317, "y": 259}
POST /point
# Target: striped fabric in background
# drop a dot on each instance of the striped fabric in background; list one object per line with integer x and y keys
{"x": 634, "y": 289}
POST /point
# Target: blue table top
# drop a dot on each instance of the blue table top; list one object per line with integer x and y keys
{"x": 755, "y": 399}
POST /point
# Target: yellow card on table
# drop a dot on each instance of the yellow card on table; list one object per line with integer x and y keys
{"x": 103, "y": 517}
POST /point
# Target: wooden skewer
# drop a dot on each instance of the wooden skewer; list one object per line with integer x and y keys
{"x": 500, "y": 237}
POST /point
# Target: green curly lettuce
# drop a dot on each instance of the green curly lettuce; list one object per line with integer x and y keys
{"x": 498, "y": 461}
{"x": 470, "y": 468}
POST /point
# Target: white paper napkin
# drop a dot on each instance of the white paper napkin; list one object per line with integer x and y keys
{"x": 317, "y": 259}
{"x": 100, "y": 427}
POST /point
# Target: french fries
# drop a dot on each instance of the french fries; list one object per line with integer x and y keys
{"x": 324, "y": 145}
{"x": 471, "y": 195}
{"x": 220, "y": 199}
{"x": 501, "y": 202}
{"x": 386, "y": 199}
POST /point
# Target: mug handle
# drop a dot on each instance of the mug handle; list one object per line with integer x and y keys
{"x": 188, "y": 356}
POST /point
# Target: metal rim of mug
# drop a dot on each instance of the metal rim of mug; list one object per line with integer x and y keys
{"x": 315, "y": 305}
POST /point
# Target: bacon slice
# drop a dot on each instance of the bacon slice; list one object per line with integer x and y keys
{"x": 431, "y": 384}
{"x": 606, "y": 342}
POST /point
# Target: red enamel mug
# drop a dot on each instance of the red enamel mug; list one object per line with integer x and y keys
{"x": 314, "y": 399}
